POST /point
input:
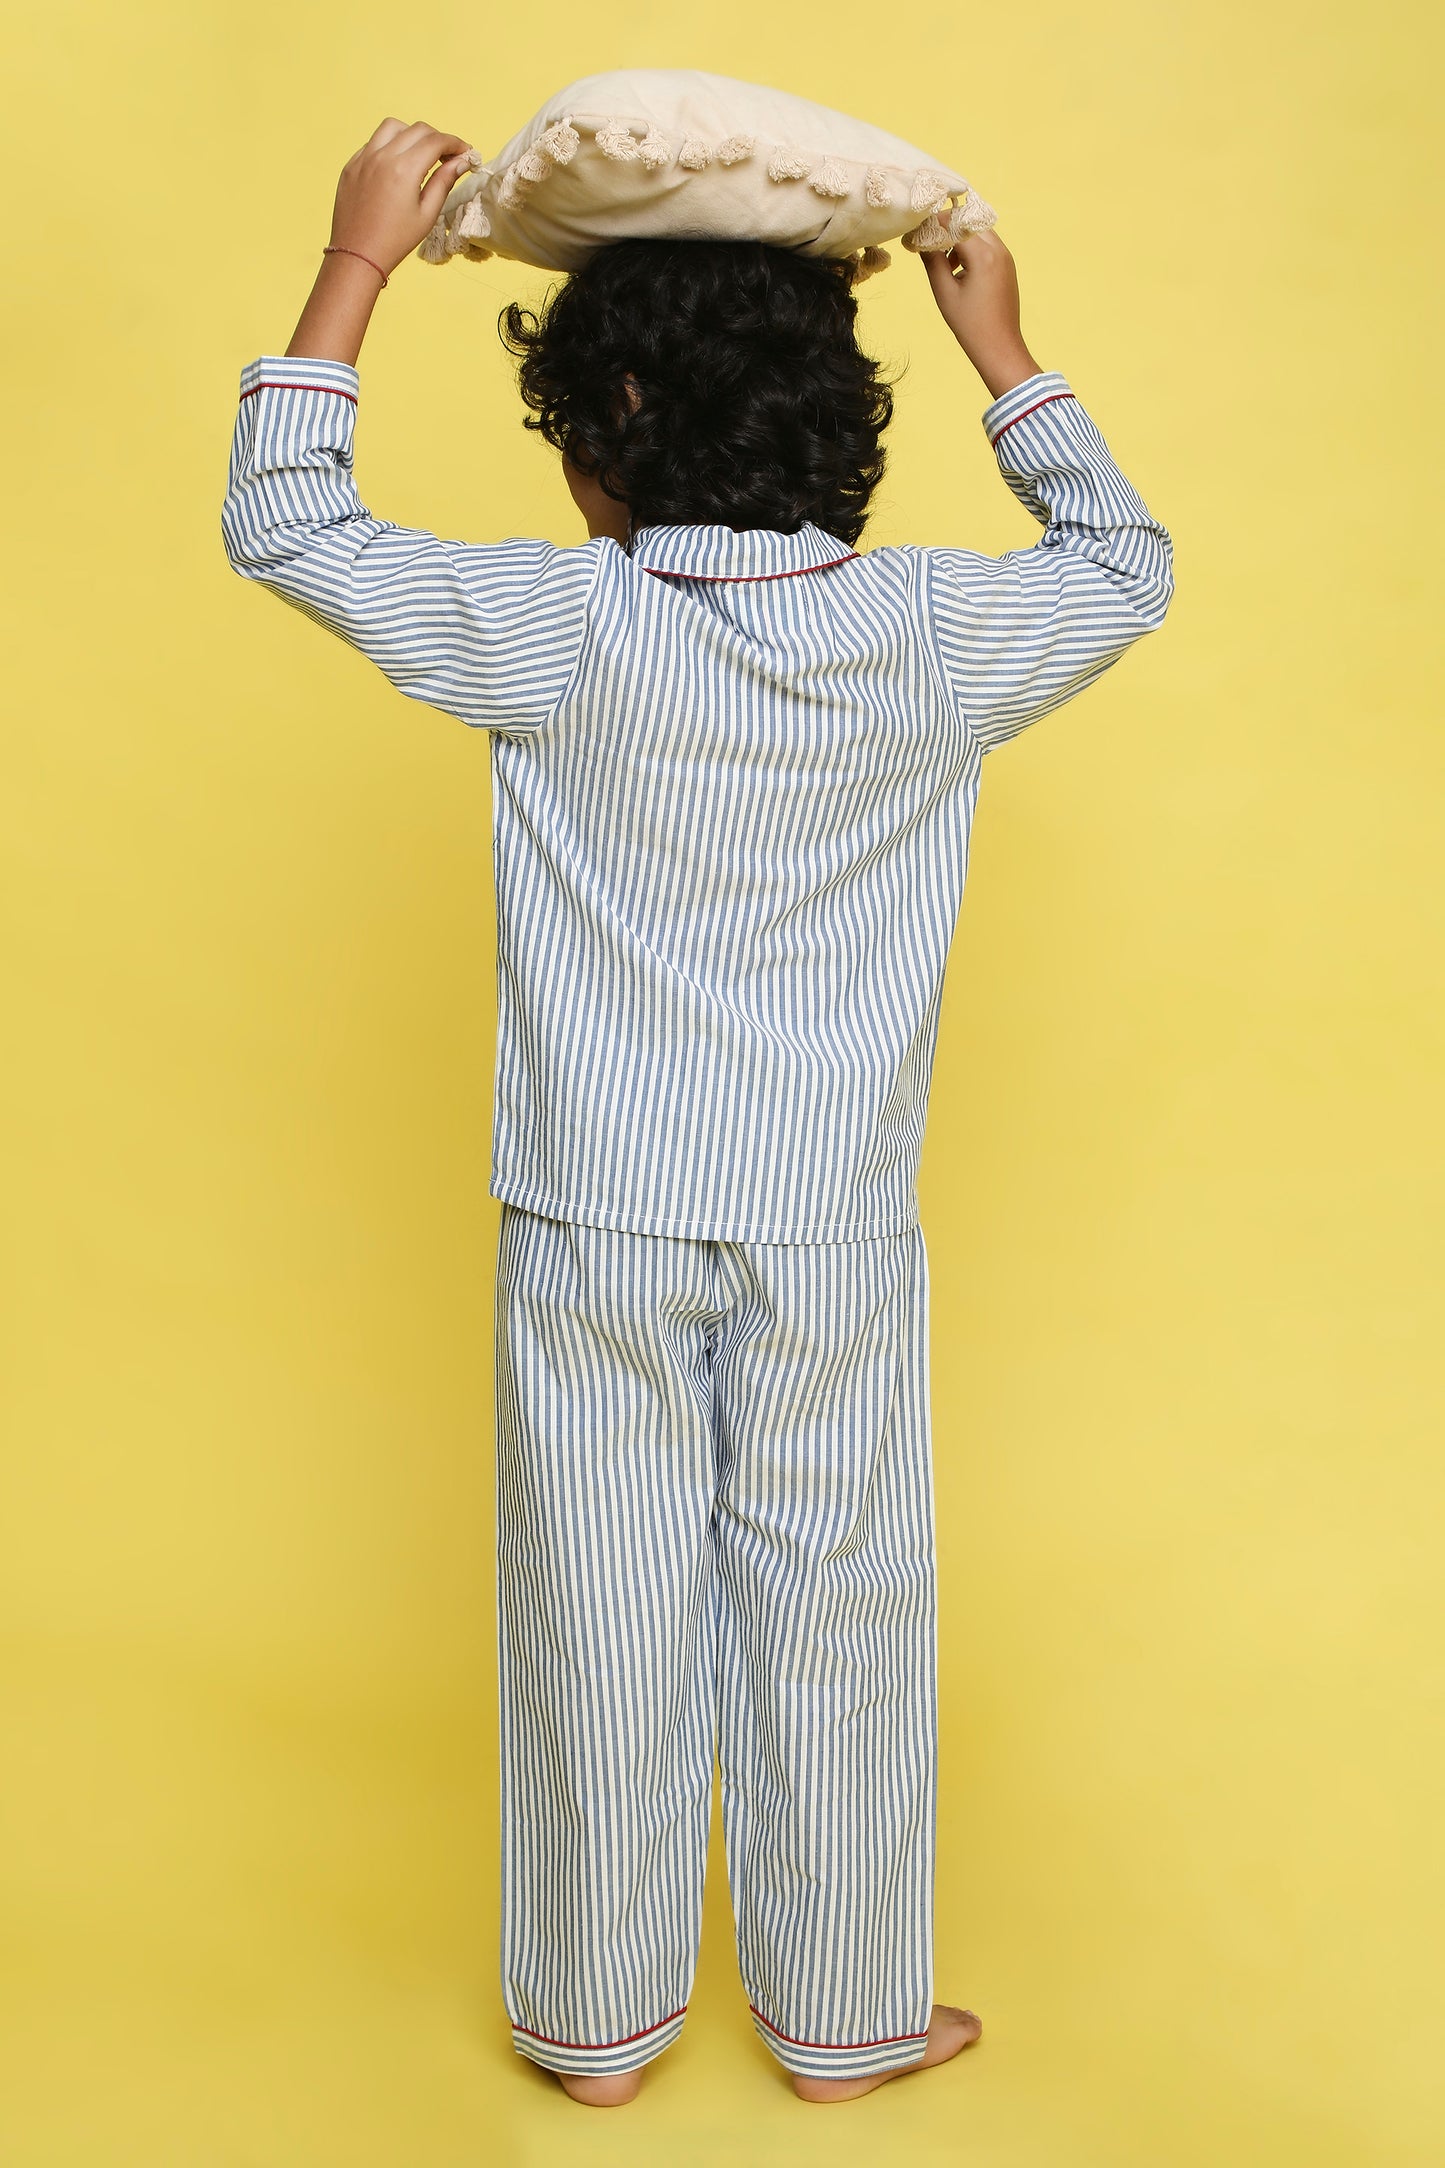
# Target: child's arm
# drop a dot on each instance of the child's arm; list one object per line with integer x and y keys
{"x": 1022, "y": 633}
{"x": 487, "y": 632}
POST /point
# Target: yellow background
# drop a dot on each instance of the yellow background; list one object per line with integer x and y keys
{"x": 1182, "y": 1186}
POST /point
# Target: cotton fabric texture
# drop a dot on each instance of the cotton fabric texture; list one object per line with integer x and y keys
{"x": 715, "y": 1524}
{"x": 651, "y": 153}
{"x": 734, "y": 776}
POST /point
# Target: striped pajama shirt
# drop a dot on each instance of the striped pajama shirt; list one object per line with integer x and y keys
{"x": 733, "y": 783}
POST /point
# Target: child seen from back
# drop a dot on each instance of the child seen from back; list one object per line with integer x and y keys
{"x": 735, "y": 761}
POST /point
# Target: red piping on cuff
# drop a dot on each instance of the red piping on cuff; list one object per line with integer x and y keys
{"x": 598, "y": 2047}
{"x": 269, "y": 386}
{"x": 839, "y": 2047}
{"x": 1032, "y": 410}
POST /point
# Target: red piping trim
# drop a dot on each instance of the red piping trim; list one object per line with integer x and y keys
{"x": 1033, "y": 410}
{"x": 660, "y": 572}
{"x": 837, "y": 2047}
{"x": 598, "y": 2047}
{"x": 269, "y": 386}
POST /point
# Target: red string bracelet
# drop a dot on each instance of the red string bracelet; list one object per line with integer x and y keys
{"x": 341, "y": 250}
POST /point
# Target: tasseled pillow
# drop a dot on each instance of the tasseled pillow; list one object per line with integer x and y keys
{"x": 652, "y": 152}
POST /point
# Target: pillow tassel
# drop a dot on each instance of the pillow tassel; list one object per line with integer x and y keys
{"x": 867, "y": 261}
{"x": 787, "y": 164}
{"x": 928, "y": 192}
{"x": 734, "y": 147}
{"x": 931, "y": 234}
{"x": 829, "y": 179}
{"x": 560, "y": 142}
{"x": 509, "y": 194}
{"x": 694, "y": 154}
{"x": 471, "y": 222}
{"x": 876, "y": 189}
{"x": 654, "y": 150}
{"x": 615, "y": 140}
{"x": 534, "y": 164}
{"x": 973, "y": 215}
{"x": 433, "y": 248}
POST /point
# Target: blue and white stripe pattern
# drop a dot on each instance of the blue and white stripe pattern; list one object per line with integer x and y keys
{"x": 734, "y": 777}
{"x": 715, "y": 1521}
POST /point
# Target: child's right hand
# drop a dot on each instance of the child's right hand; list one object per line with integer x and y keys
{"x": 977, "y": 291}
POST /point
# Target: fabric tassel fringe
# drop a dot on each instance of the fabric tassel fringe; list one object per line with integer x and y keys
{"x": 615, "y": 140}
{"x": 829, "y": 179}
{"x": 973, "y": 215}
{"x": 509, "y": 194}
{"x": 471, "y": 222}
{"x": 787, "y": 164}
{"x": 867, "y": 262}
{"x": 433, "y": 248}
{"x": 931, "y": 234}
{"x": 928, "y": 191}
{"x": 560, "y": 142}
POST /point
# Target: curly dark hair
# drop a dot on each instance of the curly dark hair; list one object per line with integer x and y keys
{"x": 757, "y": 407}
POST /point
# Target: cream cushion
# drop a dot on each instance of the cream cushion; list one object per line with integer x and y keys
{"x": 643, "y": 153}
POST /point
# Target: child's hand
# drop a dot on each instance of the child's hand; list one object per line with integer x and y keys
{"x": 382, "y": 209}
{"x": 977, "y": 291}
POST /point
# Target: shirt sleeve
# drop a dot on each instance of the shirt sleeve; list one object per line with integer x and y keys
{"x": 488, "y": 632}
{"x": 1022, "y": 633}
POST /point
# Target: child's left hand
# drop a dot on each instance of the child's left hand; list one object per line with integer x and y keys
{"x": 382, "y": 209}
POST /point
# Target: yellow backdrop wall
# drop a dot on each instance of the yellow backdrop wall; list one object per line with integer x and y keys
{"x": 1182, "y": 1187}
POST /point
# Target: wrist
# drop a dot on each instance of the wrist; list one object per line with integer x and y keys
{"x": 338, "y": 310}
{"x": 337, "y": 256}
{"x": 1002, "y": 368}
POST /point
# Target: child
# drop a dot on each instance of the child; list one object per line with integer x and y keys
{"x": 734, "y": 767}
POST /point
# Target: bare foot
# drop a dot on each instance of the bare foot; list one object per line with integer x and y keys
{"x": 610, "y": 2092}
{"x": 948, "y": 2031}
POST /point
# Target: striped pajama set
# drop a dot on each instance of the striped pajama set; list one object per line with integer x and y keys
{"x": 733, "y": 783}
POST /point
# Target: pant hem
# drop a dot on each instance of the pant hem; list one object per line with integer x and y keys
{"x": 598, "y": 2059}
{"x": 826, "y": 2059}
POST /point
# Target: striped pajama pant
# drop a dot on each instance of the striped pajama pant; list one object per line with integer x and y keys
{"x": 715, "y": 1537}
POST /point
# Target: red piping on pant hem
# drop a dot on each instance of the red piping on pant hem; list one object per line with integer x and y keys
{"x": 598, "y": 2047}
{"x": 836, "y": 2047}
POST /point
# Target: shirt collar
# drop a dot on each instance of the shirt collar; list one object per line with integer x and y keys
{"x": 711, "y": 550}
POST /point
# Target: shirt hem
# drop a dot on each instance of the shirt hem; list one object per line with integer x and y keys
{"x": 622, "y": 1221}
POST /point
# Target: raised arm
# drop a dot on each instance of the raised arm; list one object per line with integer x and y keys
{"x": 1022, "y": 633}
{"x": 487, "y": 632}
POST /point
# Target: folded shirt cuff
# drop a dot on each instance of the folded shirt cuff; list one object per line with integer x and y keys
{"x": 1019, "y": 399}
{"x": 300, "y": 372}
